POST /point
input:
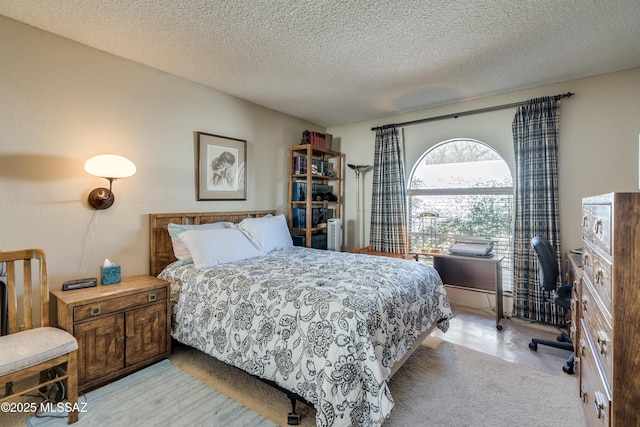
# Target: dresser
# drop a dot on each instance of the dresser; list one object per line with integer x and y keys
{"x": 120, "y": 328}
{"x": 608, "y": 316}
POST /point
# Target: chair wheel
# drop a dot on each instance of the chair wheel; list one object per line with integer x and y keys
{"x": 533, "y": 346}
{"x": 568, "y": 369}
{"x": 499, "y": 327}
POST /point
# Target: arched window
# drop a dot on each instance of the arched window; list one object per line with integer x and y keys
{"x": 461, "y": 188}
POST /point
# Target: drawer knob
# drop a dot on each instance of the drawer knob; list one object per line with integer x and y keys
{"x": 95, "y": 310}
{"x": 598, "y": 227}
{"x": 585, "y": 220}
{"x": 585, "y": 304}
{"x": 599, "y": 276}
{"x": 119, "y": 339}
{"x": 583, "y": 393}
{"x": 599, "y": 403}
{"x": 152, "y": 297}
{"x": 603, "y": 340}
{"x": 583, "y": 345}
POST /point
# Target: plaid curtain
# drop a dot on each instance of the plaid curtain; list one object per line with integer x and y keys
{"x": 535, "y": 135}
{"x": 388, "y": 231}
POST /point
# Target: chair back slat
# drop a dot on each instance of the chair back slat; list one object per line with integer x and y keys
{"x": 26, "y": 257}
{"x": 12, "y": 298}
{"x": 44, "y": 290}
{"x": 27, "y": 298}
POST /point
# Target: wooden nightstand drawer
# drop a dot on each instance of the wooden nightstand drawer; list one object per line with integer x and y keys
{"x": 114, "y": 305}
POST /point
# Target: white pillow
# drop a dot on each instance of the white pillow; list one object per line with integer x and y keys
{"x": 180, "y": 250}
{"x": 211, "y": 247}
{"x": 268, "y": 233}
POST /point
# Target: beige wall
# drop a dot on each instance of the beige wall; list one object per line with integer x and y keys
{"x": 599, "y": 130}
{"x": 62, "y": 102}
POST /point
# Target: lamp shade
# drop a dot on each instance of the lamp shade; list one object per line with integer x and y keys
{"x": 110, "y": 166}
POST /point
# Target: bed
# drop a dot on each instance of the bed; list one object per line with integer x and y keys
{"x": 329, "y": 327}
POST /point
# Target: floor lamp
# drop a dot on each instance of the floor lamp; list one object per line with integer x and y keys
{"x": 357, "y": 169}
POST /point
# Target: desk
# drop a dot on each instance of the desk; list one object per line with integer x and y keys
{"x": 573, "y": 267}
{"x": 573, "y": 274}
{"x": 472, "y": 273}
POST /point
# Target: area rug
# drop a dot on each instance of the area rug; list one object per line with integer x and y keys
{"x": 441, "y": 385}
{"x": 159, "y": 395}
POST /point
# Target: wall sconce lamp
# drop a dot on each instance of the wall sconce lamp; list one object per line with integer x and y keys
{"x": 111, "y": 167}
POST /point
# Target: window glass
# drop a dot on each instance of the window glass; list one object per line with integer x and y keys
{"x": 461, "y": 188}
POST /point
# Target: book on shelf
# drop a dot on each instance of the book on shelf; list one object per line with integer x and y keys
{"x": 317, "y": 139}
{"x": 299, "y": 165}
{"x": 318, "y": 166}
{"x": 318, "y": 190}
{"x": 321, "y": 167}
{"x": 318, "y": 240}
{"x": 299, "y": 192}
{"x": 299, "y": 217}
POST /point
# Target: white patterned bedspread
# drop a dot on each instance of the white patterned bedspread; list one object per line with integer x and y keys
{"x": 326, "y": 325}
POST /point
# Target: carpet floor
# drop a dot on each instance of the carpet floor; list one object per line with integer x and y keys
{"x": 159, "y": 395}
{"x": 446, "y": 382}
{"x": 442, "y": 384}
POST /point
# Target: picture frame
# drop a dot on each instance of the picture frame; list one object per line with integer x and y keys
{"x": 221, "y": 167}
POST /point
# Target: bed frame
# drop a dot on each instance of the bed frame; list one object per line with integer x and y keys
{"x": 161, "y": 255}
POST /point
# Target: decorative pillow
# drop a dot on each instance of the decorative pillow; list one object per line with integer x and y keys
{"x": 211, "y": 247}
{"x": 268, "y": 233}
{"x": 179, "y": 248}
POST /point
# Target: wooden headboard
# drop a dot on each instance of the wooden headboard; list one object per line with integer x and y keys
{"x": 160, "y": 243}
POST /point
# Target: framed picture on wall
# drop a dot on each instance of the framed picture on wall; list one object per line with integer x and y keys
{"x": 221, "y": 167}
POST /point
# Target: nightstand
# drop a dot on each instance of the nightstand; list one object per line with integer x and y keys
{"x": 120, "y": 328}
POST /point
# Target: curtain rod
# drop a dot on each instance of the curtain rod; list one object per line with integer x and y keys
{"x": 466, "y": 113}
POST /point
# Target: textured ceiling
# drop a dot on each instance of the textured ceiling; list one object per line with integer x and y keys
{"x": 337, "y": 62}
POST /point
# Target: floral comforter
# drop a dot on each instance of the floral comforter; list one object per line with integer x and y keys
{"x": 325, "y": 325}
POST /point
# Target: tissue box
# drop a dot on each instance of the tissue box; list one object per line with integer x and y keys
{"x": 110, "y": 274}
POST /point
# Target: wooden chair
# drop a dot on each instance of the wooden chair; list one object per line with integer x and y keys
{"x": 36, "y": 349}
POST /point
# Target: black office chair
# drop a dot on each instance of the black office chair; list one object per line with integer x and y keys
{"x": 549, "y": 271}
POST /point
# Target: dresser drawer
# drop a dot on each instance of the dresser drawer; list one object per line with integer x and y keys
{"x": 601, "y": 224}
{"x": 587, "y": 222}
{"x": 597, "y": 224}
{"x": 593, "y": 391}
{"x": 598, "y": 330}
{"x": 114, "y": 305}
{"x": 598, "y": 272}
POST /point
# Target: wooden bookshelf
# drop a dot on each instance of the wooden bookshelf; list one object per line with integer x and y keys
{"x": 313, "y": 171}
